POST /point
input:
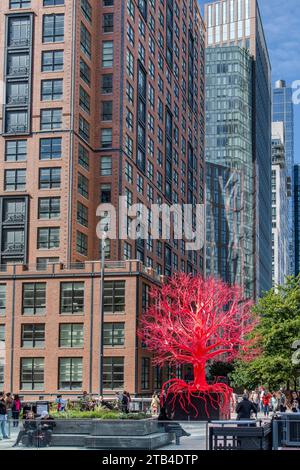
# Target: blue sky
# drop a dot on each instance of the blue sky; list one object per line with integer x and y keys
{"x": 281, "y": 21}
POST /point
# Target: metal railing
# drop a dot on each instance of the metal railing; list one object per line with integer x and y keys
{"x": 286, "y": 430}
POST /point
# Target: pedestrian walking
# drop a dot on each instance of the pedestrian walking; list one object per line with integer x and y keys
{"x": 61, "y": 403}
{"x": 3, "y": 417}
{"x": 155, "y": 404}
{"x": 234, "y": 401}
{"x": 274, "y": 402}
{"x": 245, "y": 408}
{"x": 282, "y": 403}
{"x": 125, "y": 402}
{"x": 9, "y": 402}
{"x": 266, "y": 400}
{"x": 16, "y": 409}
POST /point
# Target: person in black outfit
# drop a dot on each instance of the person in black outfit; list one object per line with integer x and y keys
{"x": 163, "y": 416}
{"x": 29, "y": 429}
{"x": 47, "y": 425}
{"x": 245, "y": 408}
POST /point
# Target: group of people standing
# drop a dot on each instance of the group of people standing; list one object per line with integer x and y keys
{"x": 10, "y": 408}
{"x": 265, "y": 401}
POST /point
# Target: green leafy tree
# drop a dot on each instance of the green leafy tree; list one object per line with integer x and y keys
{"x": 279, "y": 327}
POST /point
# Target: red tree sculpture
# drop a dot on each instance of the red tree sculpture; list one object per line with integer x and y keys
{"x": 192, "y": 321}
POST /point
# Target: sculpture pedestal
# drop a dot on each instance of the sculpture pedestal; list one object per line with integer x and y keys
{"x": 205, "y": 411}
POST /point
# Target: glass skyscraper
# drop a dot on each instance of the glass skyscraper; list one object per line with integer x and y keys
{"x": 230, "y": 215}
{"x": 238, "y": 137}
{"x": 283, "y": 111}
{"x": 297, "y": 217}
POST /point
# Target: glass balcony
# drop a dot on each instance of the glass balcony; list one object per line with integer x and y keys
{"x": 18, "y": 70}
{"x": 14, "y": 217}
{"x": 20, "y": 99}
{"x": 18, "y": 42}
{"x": 16, "y": 129}
{"x": 14, "y": 247}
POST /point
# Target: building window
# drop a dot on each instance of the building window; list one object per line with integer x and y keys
{"x": 17, "y": 93}
{"x": 114, "y": 296}
{"x": 105, "y": 193}
{"x": 52, "y": 90}
{"x": 16, "y": 122}
{"x": 114, "y": 334}
{"x": 83, "y": 186}
{"x": 53, "y": 3}
{"x": 43, "y": 262}
{"x": 51, "y": 119}
{"x": 34, "y": 298}
{"x": 85, "y": 40}
{"x": 48, "y": 238}
{"x": 71, "y": 298}
{"x": 33, "y": 336}
{"x": 157, "y": 378}
{"x": 85, "y": 72}
{"x": 108, "y": 23}
{"x": 106, "y": 166}
{"x": 84, "y": 129}
{"x": 127, "y": 251}
{"x": 14, "y": 210}
{"x": 19, "y": 4}
{"x": 70, "y": 373}
{"x": 84, "y": 99}
{"x": 18, "y": 64}
{"x": 82, "y": 214}
{"x": 86, "y": 10}
{"x": 113, "y": 372}
{"x": 19, "y": 31}
{"x": 50, "y": 178}
{"x": 71, "y": 335}
{"x": 83, "y": 157}
{"x": 15, "y": 180}
{"x": 108, "y": 3}
{"x": 53, "y": 28}
{"x": 107, "y": 83}
{"x": 52, "y": 61}
{"x": 107, "y": 110}
{"x": 32, "y": 373}
{"x": 107, "y": 54}
{"x": 130, "y": 64}
{"x": 81, "y": 243}
{"x": 49, "y": 208}
{"x": 2, "y": 299}
{"x": 145, "y": 376}
{"x": 50, "y": 149}
{"x": 13, "y": 241}
{"x": 106, "y": 138}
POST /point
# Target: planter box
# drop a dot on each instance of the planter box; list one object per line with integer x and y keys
{"x": 126, "y": 427}
{"x": 73, "y": 426}
{"x": 114, "y": 434}
{"x": 206, "y": 411}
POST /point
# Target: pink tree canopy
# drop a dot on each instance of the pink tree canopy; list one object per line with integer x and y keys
{"x": 191, "y": 321}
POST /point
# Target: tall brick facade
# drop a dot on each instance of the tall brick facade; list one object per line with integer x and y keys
{"x": 100, "y": 99}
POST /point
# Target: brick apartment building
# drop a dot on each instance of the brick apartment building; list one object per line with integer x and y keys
{"x": 101, "y": 98}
